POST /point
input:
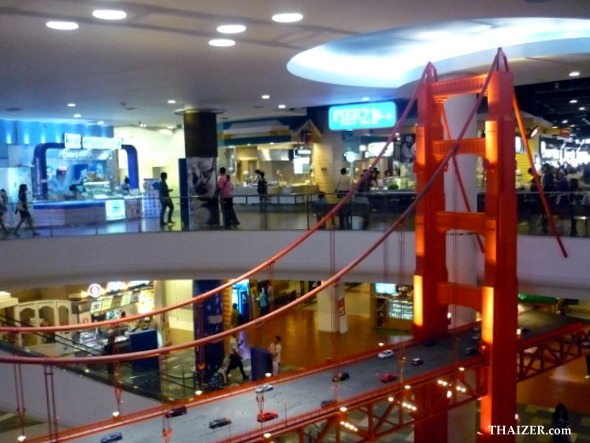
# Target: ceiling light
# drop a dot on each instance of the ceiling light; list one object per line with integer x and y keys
{"x": 287, "y": 17}
{"x": 366, "y": 99}
{"x": 575, "y": 74}
{"x": 71, "y": 105}
{"x": 282, "y": 106}
{"x": 564, "y": 122}
{"x": 77, "y": 115}
{"x": 62, "y": 26}
{"x": 109, "y": 14}
{"x": 100, "y": 122}
{"x": 222, "y": 42}
{"x": 573, "y": 100}
{"x": 231, "y": 29}
{"x": 265, "y": 97}
{"x": 582, "y": 108}
{"x": 171, "y": 101}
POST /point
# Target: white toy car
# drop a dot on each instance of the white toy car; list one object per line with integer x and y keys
{"x": 388, "y": 353}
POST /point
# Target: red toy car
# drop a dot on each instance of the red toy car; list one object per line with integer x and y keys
{"x": 387, "y": 378}
{"x": 266, "y": 416}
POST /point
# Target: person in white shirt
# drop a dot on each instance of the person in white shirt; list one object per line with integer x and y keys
{"x": 275, "y": 353}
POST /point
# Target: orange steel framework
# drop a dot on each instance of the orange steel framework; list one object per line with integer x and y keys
{"x": 496, "y": 298}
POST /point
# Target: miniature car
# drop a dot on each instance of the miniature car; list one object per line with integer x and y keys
{"x": 388, "y": 378}
{"x": 266, "y": 416}
{"x": 115, "y": 436}
{"x": 388, "y": 353}
{"x": 264, "y": 388}
{"x": 176, "y": 411}
{"x": 341, "y": 376}
{"x": 471, "y": 351}
{"x": 329, "y": 402}
{"x": 417, "y": 361}
{"x": 219, "y": 422}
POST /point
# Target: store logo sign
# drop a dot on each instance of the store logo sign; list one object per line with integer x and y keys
{"x": 362, "y": 116}
{"x": 94, "y": 290}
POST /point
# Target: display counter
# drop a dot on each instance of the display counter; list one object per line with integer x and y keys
{"x": 278, "y": 195}
{"x": 84, "y": 212}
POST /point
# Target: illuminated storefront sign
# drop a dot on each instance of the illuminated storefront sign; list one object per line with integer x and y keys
{"x": 362, "y": 116}
{"x": 76, "y": 141}
{"x": 94, "y": 290}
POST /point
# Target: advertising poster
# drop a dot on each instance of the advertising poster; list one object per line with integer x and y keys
{"x": 201, "y": 182}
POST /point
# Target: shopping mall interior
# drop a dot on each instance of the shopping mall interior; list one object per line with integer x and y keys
{"x": 383, "y": 265}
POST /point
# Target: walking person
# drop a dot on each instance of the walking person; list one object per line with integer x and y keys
{"x": 343, "y": 186}
{"x": 165, "y": 200}
{"x": 3, "y": 211}
{"x": 262, "y": 189}
{"x": 263, "y": 301}
{"x": 23, "y": 210}
{"x": 235, "y": 357}
{"x": 224, "y": 187}
{"x": 275, "y": 349}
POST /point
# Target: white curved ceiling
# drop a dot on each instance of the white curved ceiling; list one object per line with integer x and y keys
{"x": 124, "y": 72}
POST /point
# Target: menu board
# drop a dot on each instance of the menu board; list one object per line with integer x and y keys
{"x": 126, "y": 299}
{"x": 106, "y": 303}
{"x": 96, "y": 306}
{"x": 116, "y": 302}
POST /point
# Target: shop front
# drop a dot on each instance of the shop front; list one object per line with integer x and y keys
{"x": 78, "y": 182}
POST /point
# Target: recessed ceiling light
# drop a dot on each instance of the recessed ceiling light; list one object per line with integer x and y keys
{"x": 282, "y": 106}
{"x": 582, "y": 108}
{"x": 575, "y": 74}
{"x": 231, "y": 29}
{"x": 366, "y": 99}
{"x": 222, "y": 42}
{"x": 265, "y": 97}
{"x": 100, "y": 122}
{"x": 171, "y": 101}
{"x": 564, "y": 122}
{"x": 573, "y": 100}
{"x": 287, "y": 17}
{"x": 62, "y": 26}
{"x": 77, "y": 115}
{"x": 71, "y": 105}
{"x": 109, "y": 14}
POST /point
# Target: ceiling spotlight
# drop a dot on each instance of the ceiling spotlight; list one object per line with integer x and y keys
{"x": 21, "y": 438}
{"x": 265, "y": 97}
{"x": 71, "y": 105}
{"x": 573, "y": 100}
{"x": 62, "y": 26}
{"x": 100, "y": 122}
{"x": 287, "y": 17}
{"x": 231, "y": 29}
{"x": 171, "y": 101}
{"x": 575, "y": 74}
{"x": 222, "y": 42}
{"x": 109, "y": 14}
{"x": 282, "y": 106}
{"x": 77, "y": 115}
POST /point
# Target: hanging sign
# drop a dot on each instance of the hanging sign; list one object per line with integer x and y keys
{"x": 362, "y": 116}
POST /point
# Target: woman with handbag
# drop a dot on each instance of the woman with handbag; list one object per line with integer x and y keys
{"x": 23, "y": 210}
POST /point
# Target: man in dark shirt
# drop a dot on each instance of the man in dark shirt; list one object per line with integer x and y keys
{"x": 165, "y": 200}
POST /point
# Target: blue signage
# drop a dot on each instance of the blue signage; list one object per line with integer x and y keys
{"x": 362, "y": 116}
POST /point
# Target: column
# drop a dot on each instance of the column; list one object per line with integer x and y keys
{"x": 198, "y": 171}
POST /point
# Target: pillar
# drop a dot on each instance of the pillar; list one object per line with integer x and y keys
{"x": 208, "y": 320}
{"x": 462, "y": 247}
{"x": 198, "y": 171}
